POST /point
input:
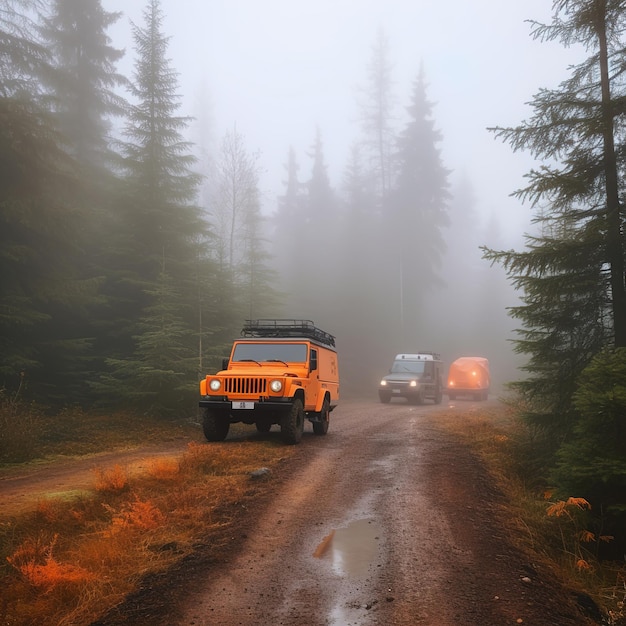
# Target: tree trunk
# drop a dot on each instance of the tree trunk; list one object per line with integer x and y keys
{"x": 614, "y": 219}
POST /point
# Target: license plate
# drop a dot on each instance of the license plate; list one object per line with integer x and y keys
{"x": 243, "y": 405}
{"x": 395, "y": 391}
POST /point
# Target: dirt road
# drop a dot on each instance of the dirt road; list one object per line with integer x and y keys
{"x": 385, "y": 521}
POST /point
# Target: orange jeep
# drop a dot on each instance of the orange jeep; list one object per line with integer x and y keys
{"x": 280, "y": 372}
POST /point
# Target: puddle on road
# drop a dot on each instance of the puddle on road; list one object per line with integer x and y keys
{"x": 353, "y": 549}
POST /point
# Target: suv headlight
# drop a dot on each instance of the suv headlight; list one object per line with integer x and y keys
{"x": 215, "y": 385}
{"x": 276, "y": 385}
{"x": 383, "y": 383}
{"x": 413, "y": 383}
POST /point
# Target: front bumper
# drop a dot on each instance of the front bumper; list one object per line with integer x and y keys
{"x": 242, "y": 406}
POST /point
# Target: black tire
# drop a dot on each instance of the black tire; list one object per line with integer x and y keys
{"x": 292, "y": 423}
{"x": 263, "y": 427}
{"x": 321, "y": 427}
{"x": 215, "y": 425}
{"x": 385, "y": 398}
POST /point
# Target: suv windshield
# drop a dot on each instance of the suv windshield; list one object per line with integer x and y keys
{"x": 287, "y": 352}
{"x": 415, "y": 367}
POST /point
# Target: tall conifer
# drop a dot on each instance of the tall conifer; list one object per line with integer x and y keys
{"x": 571, "y": 275}
{"x": 419, "y": 212}
{"x": 163, "y": 233}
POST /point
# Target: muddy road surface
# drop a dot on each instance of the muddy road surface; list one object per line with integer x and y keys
{"x": 387, "y": 520}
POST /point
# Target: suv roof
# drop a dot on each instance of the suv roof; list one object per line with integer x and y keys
{"x": 287, "y": 328}
{"x": 420, "y": 356}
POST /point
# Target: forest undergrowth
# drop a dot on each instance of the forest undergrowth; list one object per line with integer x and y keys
{"x": 555, "y": 530}
{"x": 70, "y": 560}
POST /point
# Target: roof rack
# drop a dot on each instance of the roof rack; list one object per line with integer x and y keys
{"x": 424, "y": 355}
{"x": 286, "y": 328}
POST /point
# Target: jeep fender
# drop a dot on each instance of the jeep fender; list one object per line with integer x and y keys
{"x": 320, "y": 400}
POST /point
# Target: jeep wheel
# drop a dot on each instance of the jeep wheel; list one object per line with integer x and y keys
{"x": 321, "y": 427}
{"x": 292, "y": 423}
{"x": 385, "y": 398}
{"x": 214, "y": 425}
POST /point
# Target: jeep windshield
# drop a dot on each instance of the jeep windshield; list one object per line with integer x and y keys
{"x": 415, "y": 367}
{"x": 281, "y": 352}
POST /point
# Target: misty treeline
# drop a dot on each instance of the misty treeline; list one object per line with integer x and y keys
{"x": 130, "y": 255}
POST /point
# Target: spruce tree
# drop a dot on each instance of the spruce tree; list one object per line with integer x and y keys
{"x": 360, "y": 312}
{"x": 156, "y": 379}
{"x": 40, "y": 228}
{"x": 419, "y": 205}
{"x": 85, "y": 80}
{"x": 570, "y": 276}
{"x": 162, "y": 231}
{"x": 377, "y": 104}
{"x": 24, "y": 59}
{"x": 316, "y": 257}
{"x": 81, "y": 89}
{"x": 287, "y": 221}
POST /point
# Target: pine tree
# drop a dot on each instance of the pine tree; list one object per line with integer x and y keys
{"x": 419, "y": 212}
{"x": 81, "y": 88}
{"x": 377, "y": 117}
{"x": 360, "y": 312}
{"x": 570, "y": 276}
{"x": 316, "y": 258}
{"x": 287, "y": 222}
{"x": 85, "y": 78}
{"x": 24, "y": 59}
{"x": 40, "y": 229}
{"x": 162, "y": 232}
{"x": 157, "y": 378}
{"x": 259, "y": 290}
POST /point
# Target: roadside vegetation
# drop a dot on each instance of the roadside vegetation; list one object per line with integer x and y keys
{"x": 70, "y": 559}
{"x": 557, "y": 530}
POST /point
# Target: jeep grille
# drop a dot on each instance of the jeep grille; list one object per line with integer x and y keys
{"x": 255, "y": 386}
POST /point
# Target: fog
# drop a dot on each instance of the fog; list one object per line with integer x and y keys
{"x": 279, "y": 71}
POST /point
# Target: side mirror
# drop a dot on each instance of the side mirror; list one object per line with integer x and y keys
{"x": 225, "y": 363}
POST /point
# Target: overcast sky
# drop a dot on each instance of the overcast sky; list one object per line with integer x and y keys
{"x": 277, "y": 69}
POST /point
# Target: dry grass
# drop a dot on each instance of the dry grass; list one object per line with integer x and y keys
{"x": 68, "y": 562}
{"x": 27, "y": 433}
{"x": 111, "y": 479}
{"x": 552, "y": 530}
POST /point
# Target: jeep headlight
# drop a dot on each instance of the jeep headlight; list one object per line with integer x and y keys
{"x": 215, "y": 385}
{"x": 276, "y": 386}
